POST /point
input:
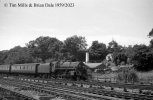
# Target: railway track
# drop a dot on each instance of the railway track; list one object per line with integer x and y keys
{"x": 90, "y": 91}
{"x": 68, "y": 93}
{"x": 9, "y": 94}
{"x": 103, "y": 89}
{"x": 139, "y": 86}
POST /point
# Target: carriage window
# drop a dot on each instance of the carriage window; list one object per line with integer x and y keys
{"x": 31, "y": 68}
{"x": 7, "y": 67}
{"x": 14, "y": 67}
{"x": 23, "y": 67}
{"x": 26, "y": 67}
{"x": 18, "y": 67}
{"x": 2, "y": 67}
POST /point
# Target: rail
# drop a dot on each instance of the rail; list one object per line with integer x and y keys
{"x": 56, "y": 90}
{"x": 99, "y": 88}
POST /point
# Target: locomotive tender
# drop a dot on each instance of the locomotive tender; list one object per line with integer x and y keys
{"x": 70, "y": 70}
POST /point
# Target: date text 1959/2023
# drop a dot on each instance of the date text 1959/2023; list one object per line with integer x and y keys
{"x": 64, "y": 5}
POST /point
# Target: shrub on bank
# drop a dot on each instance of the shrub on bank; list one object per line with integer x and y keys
{"x": 127, "y": 76}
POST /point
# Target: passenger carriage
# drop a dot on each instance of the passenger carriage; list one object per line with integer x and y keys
{"x": 29, "y": 69}
{"x": 5, "y": 69}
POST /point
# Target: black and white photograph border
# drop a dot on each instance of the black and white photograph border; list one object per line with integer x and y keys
{"x": 76, "y": 49}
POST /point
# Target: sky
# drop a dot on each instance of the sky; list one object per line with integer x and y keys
{"x": 128, "y": 22}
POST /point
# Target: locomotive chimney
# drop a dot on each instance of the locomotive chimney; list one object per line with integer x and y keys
{"x": 87, "y": 56}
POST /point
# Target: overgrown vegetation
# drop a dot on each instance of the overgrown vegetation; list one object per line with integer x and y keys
{"x": 145, "y": 76}
{"x": 127, "y": 76}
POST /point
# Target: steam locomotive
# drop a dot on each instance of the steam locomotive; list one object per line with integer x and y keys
{"x": 56, "y": 69}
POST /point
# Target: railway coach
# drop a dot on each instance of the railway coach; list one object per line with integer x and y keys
{"x": 5, "y": 69}
{"x": 28, "y": 69}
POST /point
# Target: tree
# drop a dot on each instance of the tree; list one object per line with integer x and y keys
{"x": 116, "y": 50}
{"x": 142, "y": 58}
{"x": 150, "y": 33}
{"x": 151, "y": 43}
{"x": 72, "y": 47}
{"x": 19, "y": 55}
{"x": 127, "y": 75}
{"x": 120, "y": 58}
{"x": 143, "y": 55}
{"x": 129, "y": 52}
{"x": 3, "y": 56}
{"x": 98, "y": 51}
{"x": 113, "y": 46}
{"x": 45, "y": 48}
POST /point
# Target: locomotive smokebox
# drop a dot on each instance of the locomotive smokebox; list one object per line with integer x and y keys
{"x": 87, "y": 56}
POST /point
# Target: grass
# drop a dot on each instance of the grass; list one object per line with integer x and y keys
{"x": 107, "y": 77}
{"x": 145, "y": 76}
{"x": 127, "y": 76}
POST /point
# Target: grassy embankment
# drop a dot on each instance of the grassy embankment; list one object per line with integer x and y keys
{"x": 146, "y": 77}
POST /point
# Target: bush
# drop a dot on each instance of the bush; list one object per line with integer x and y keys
{"x": 142, "y": 58}
{"x": 127, "y": 76}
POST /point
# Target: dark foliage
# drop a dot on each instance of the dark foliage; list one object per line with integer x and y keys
{"x": 73, "y": 47}
{"x": 120, "y": 58}
{"x": 45, "y": 48}
{"x": 113, "y": 46}
{"x": 151, "y": 43}
{"x": 142, "y": 58}
{"x": 98, "y": 51}
{"x": 3, "y": 56}
{"x": 150, "y": 33}
{"x": 127, "y": 76}
{"x": 19, "y": 55}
